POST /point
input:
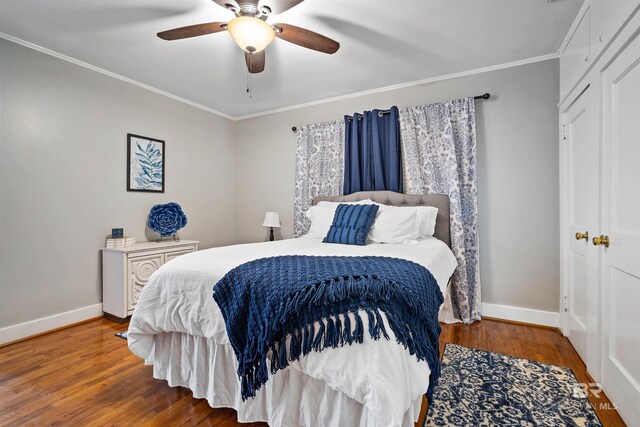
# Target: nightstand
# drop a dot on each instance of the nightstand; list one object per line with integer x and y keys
{"x": 126, "y": 271}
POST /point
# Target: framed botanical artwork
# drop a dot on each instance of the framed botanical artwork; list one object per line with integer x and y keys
{"x": 145, "y": 164}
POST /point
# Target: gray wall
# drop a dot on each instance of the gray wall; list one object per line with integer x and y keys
{"x": 518, "y": 173}
{"x": 63, "y": 177}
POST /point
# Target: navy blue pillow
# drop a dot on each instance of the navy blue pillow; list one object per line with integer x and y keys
{"x": 351, "y": 224}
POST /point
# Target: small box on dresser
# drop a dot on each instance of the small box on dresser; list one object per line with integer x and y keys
{"x": 125, "y": 272}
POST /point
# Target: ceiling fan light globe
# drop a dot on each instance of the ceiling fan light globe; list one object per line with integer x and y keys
{"x": 251, "y": 34}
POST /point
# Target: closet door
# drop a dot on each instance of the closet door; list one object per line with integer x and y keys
{"x": 621, "y": 224}
{"x": 581, "y": 152}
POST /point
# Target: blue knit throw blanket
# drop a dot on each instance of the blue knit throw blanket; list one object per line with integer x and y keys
{"x": 271, "y": 304}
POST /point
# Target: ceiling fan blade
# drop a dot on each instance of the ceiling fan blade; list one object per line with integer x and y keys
{"x": 306, "y": 38}
{"x": 255, "y": 61}
{"x": 193, "y": 31}
{"x": 279, "y": 6}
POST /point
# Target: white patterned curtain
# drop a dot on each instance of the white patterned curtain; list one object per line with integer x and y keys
{"x": 439, "y": 154}
{"x": 319, "y": 168}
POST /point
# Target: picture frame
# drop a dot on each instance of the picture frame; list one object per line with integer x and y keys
{"x": 145, "y": 164}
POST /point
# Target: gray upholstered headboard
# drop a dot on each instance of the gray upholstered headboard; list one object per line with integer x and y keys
{"x": 440, "y": 201}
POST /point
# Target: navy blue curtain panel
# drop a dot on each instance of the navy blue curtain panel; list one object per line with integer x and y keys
{"x": 373, "y": 158}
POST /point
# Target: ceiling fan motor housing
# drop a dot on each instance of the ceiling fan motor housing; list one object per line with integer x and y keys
{"x": 248, "y": 9}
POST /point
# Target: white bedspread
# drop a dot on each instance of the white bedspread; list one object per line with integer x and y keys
{"x": 381, "y": 374}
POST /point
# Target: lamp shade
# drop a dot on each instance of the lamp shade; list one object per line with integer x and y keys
{"x": 251, "y": 34}
{"x": 271, "y": 219}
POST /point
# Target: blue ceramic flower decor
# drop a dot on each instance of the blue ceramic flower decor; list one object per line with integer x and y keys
{"x": 167, "y": 219}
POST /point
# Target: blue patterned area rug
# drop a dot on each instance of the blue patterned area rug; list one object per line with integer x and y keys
{"x": 479, "y": 388}
{"x": 122, "y": 334}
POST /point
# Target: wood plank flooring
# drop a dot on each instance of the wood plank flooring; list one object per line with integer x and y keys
{"x": 84, "y": 375}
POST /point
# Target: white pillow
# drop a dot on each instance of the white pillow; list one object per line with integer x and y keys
{"x": 395, "y": 225}
{"x": 321, "y": 217}
{"x": 427, "y": 216}
{"x": 427, "y": 219}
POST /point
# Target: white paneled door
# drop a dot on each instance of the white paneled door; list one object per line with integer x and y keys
{"x": 621, "y": 224}
{"x": 581, "y": 153}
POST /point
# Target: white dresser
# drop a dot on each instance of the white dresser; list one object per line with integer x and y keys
{"x": 126, "y": 271}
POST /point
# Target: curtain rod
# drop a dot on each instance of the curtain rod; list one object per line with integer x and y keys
{"x": 383, "y": 112}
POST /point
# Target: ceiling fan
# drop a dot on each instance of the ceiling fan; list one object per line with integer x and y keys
{"x": 252, "y": 33}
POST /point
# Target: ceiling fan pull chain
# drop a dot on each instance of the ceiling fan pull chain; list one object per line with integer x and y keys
{"x": 249, "y": 89}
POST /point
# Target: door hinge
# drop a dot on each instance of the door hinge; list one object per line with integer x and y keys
{"x": 566, "y": 303}
{"x": 564, "y": 132}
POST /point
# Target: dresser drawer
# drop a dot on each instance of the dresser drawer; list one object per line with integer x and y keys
{"x": 174, "y": 254}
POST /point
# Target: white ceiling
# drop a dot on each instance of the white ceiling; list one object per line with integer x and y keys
{"x": 383, "y": 43}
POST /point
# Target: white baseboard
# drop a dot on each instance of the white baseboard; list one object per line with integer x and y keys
{"x": 519, "y": 314}
{"x": 44, "y": 324}
{"x": 37, "y": 326}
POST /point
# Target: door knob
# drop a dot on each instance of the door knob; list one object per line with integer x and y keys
{"x": 602, "y": 240}
{"x": 585, "y": 236}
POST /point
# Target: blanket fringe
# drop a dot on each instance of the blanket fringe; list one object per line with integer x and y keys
{"x": 333, "y": 331}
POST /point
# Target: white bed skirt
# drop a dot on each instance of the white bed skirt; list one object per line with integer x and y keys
{"x": 290, "y": 398}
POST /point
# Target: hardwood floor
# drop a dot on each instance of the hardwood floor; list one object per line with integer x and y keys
{"x": 84, "y": 375}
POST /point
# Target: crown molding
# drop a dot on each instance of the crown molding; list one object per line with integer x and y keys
{"x": 281, "y": 109}
{"x": 404, "y": 85}
{"x": 110, "y": 74}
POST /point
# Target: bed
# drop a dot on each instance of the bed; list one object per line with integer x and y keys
{"x": 178, "y": 328}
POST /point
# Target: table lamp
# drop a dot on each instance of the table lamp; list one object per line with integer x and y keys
{"x": 271, "y": 220}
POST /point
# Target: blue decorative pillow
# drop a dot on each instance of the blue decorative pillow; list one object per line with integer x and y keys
{"x": 351, "y": 224}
